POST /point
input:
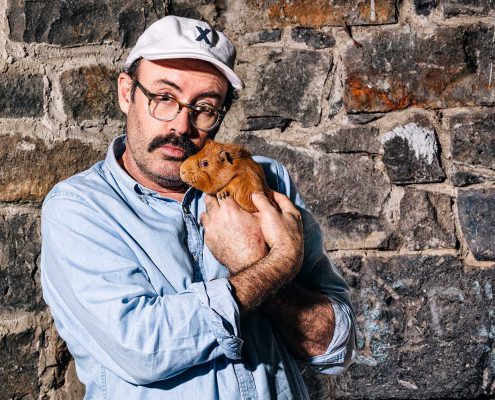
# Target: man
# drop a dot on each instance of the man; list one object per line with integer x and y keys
{"x": 147, "y": 310}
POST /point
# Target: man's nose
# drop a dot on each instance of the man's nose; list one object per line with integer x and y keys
{"x": 181, "y": 123}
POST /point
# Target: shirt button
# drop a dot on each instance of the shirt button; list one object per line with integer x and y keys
{"x": 184, "y": 209}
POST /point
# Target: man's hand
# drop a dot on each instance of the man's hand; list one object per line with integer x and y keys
{"x": 282, "y": 229}
{"x": 233, "y": 235}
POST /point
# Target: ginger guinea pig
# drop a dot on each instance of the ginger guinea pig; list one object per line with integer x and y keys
{"x": 226, "y": 169}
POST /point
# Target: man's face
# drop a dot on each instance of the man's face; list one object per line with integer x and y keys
{"x": 155, "y": 149}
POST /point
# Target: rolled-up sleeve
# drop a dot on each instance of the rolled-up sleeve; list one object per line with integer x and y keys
{"x": 102, "y": 298}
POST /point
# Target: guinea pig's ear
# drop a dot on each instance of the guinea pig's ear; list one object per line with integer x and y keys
{"x": 225, "y": 156}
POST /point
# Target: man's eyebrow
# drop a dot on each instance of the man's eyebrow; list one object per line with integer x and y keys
{"x": 208, "y": 95}
{"x": 169, "y": 83}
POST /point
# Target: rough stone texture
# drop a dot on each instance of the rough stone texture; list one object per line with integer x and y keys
{"x": 419, "y": 317}
{"x": 312, "y": 38}
{"x": 424, "y": 7}
{"x": 473, "y": 141}
{"x": 349, "y": 140}
{"x": 30, "y": 167}
{"x": 65, "y": 23}
{"x": 19, "y": 251}
{"x": 289, "y": 85}
{"x": 351, "y": 231}
{"x": 316, "y": 13}
{"x": 462, "y": 176}
{"x": 260, "y": 123}
{"x": 198, "y": 9}
{"x": 18, "y": 365}
{"x": 21, "y": 96}
{"x": 90, "y": 93}
{"x": 264, "y": 36}
{"x": 453, "y": 8}
{"x": 411, "y": 154}
{"x": 462, "y": 179}
{"x": 392, "y": 71}
{"x": 359, "y": 119}
{"x": 427, "y": 220}
{"x": 477, "y": 217}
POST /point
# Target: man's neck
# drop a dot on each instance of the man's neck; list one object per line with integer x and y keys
{"x": 135, "y": 173}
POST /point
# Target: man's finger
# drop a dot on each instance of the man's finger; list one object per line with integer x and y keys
{"x": 210, "y": 202}
{"x": 286, "y": 206}
{"x": 227, "y": 202}
{"x": 261, "y": 202}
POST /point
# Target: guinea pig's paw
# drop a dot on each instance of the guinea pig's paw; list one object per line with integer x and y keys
{"x": 223, "y": 194}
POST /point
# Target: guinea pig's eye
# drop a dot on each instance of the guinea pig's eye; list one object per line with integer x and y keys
{"x": 204, "y": 163}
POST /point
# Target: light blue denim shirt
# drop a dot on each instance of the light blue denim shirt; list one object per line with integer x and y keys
{"x": 147, "y": 311}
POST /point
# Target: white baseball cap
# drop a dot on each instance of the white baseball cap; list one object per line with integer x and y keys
{"x": 178, "y": 37}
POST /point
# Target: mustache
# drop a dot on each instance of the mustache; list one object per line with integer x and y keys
{"x": 181, "y": 142}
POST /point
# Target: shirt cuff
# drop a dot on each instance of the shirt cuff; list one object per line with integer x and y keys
{"x": 221, "y": 313}
{"x": 342, "y": 348}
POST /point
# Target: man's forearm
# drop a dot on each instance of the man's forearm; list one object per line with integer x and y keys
{"x": 304, "y": 318}
{"x": 255, "y": 285}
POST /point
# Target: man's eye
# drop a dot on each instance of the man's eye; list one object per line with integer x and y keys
{"x": 204, "y": 163}
{"x": 204, "y": 108}
{"x": 166, "y": 98}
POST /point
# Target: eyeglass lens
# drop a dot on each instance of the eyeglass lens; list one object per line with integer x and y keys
{"x": 167, "y": 109}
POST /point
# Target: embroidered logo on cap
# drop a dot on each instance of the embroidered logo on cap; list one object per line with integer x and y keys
{"x": 202, "y": 36}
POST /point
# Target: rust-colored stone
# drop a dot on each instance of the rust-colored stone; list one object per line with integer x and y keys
{"x": 90, "y": 92}
{"x": 30, "y": 167}
{"x": 365, "y": 97}
{"x": 392, "y": 71}
{"x": 318, "y": 13}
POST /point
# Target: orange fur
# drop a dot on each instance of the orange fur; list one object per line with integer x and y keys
{"x": 226, "y": 169}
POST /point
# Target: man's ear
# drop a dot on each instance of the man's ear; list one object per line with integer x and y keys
{"x": 124, "y": 83}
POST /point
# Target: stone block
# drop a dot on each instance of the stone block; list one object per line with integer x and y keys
{"x": 19, "y": 251}
{"x": 264, "y": 36}
{"x": 290, "y": 84}
{"x": 411, "y": 154}
{"x": 425, "y": 329}
{"x": 427, "y": 220}
{"x": 65, "y": 23}
{"x": 207, "y": 10}
{"x": 349, "y": 140}
{"x": 472, "y": 138}
{"x": 21, "y": 96}
{"x": 353, "y": 231}
{"x": 30, "y": 167}
{"x": 90, "y": 93}
{"x": 454, "y": 8}
{"x": 317, "y": 13}
{"x": 360, "y": 119}
{"x": 19, "y": 365}
{"x": 424, "y": 7}
{"x": 260, "y": 123}
{"x": 392, "y": 71}
{"x": 312, "y": 37}
{"x": 477, "y": 218}
{"x": 464, "y": 176}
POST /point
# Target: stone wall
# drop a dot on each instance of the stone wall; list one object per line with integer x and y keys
{"x": 382, "y": 110}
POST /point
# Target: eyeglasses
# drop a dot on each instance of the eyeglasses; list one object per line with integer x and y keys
{"x": 166, "y": 108}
